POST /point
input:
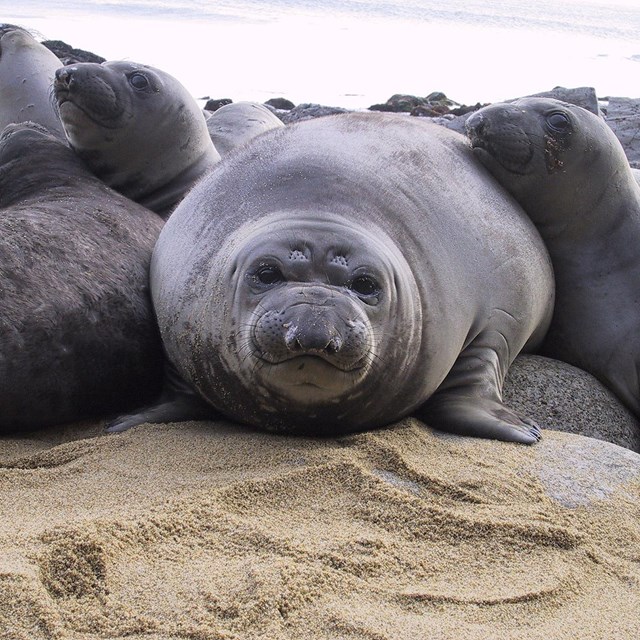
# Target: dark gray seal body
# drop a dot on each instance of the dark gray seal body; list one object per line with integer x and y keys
{"x": 569, "y": 172}
{"x": 77, "y": 333}
{"x": 27, "y": 69}
{"x": 137, "y": 128}
{"x": 337, "y": 274}
{"x": 233, "y": 125}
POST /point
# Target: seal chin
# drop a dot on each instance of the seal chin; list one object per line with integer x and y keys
{"x": 312, "y": 379}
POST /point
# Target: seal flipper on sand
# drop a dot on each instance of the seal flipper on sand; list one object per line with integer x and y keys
{"x": 178, "y": 402}
{"x": 468, "y": 401}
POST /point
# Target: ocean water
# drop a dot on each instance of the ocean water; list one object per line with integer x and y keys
{"x": 354, "y": 53}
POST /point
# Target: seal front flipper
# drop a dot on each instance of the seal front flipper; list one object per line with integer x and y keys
{"x": 177, "y": 403}
{"x": 468, "y": 401}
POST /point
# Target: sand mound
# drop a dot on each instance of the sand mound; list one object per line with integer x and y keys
{"x": 207, "y": 530}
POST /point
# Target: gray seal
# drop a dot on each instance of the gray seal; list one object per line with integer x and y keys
{"x": 137, "y": 128}
{"x": 27, "y": 69}
{"x": 233, "y": 125}
{"x": 78, "y": 338}
{"x": 341, "y": 273}
{"x": 567, "y": 169}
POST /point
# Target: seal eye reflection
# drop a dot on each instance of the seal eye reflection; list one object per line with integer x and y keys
{"x": 269, "y": 275}
{"x": 365, "y": 286}
{"x": 558, "y": 121}
{"x": 138, "y": 81}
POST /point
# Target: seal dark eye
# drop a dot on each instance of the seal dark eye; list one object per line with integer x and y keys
{"x": 269, "y": 275}
{"x": 365, "y": 286}
{"x": 559, "y": 122}
{"x": 138, "y": 81}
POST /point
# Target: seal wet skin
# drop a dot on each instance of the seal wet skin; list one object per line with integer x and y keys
{"x": 137, "y": 128}
{"x": 340, "y": 273}
{"x": 27, "y": 69}
{"x": 78, "y": 338}
{"x": 567, "y": 169}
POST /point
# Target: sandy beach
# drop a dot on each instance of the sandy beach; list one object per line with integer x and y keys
{"x": 210, "y": 530}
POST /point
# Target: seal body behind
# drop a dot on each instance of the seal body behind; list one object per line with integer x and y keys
{"x": 77, "y": 334}
{"x": 27, "y": 69}
{"x": 233, "y": 125}
{"x": 137, "y": 128}
{"x": 339, "y": 273}
{"x": 569, "y": 172}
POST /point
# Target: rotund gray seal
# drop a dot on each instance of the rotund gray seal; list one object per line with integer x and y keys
{"x": 567, "y": 169}
{"x": 340, "y": 273}
{"x": 137, "y": 128}
{"x": 78, "y": 337}
{"x": 27, "y": 69}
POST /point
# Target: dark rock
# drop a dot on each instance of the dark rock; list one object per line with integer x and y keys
{"x": 623, "y": 116}
{"x": 69, "y": 55}
{"x": 213, "y": 104}
{"x": 429, "y": 111}
{"x": 400, "y": 103}
{"x": 306, "y": 111}
{"x": 280, "y": 103}
{"x": 466, "y": 109}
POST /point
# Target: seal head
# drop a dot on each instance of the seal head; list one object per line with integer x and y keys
{"x": 137, "y": 128}
{"x": 27, "y": 69}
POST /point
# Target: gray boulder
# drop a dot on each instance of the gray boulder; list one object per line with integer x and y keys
{"x": 564, "y": 398}
{"x": 623, "y": 116}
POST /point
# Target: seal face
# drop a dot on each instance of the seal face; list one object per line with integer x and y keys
{"x": 575, "y": 183}
{"x": 343, "y": 272}
{"x": 27, "y": 69}
{"x": 77, "y": 332}
{"x": 303, "y": 330}
{"x": 137, "y": 128}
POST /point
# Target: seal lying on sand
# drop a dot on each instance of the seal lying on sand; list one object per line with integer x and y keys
{"x": 235, "y": 124}
{"x": 27, "y": 70}
{"x": 336, "y": 274}
{"x": 137, "y": 128}
{"x": 77, "y": 333}
{"x": 567, "y": 169}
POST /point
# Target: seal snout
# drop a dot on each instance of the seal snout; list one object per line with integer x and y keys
{"x": 315, "y": 337}
{"x": 495, "y": 131}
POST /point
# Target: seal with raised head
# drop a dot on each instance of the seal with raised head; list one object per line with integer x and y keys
{"x": 568, "y": 170}
{"x": 78, "y": 337}
{"x": 341, "y": 273}
{"x": 233, "y": 125}
{"x": 27, "y": 69}
{"x": 137, "y": 128}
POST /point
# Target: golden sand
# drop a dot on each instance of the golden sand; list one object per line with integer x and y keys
{"x": 205, "y": 531}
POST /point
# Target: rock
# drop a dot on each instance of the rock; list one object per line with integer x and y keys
{"x": 70, "y": 55}
{"x": 564, "y": 398}
{"x": 400, "y": 103}
{"x": 623, "y": 116}
{"x": 213, "y": 104}
{"x": 584, "y": 97}
{"x": 306, "y": 111}
{"x": 280, "y": 103}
